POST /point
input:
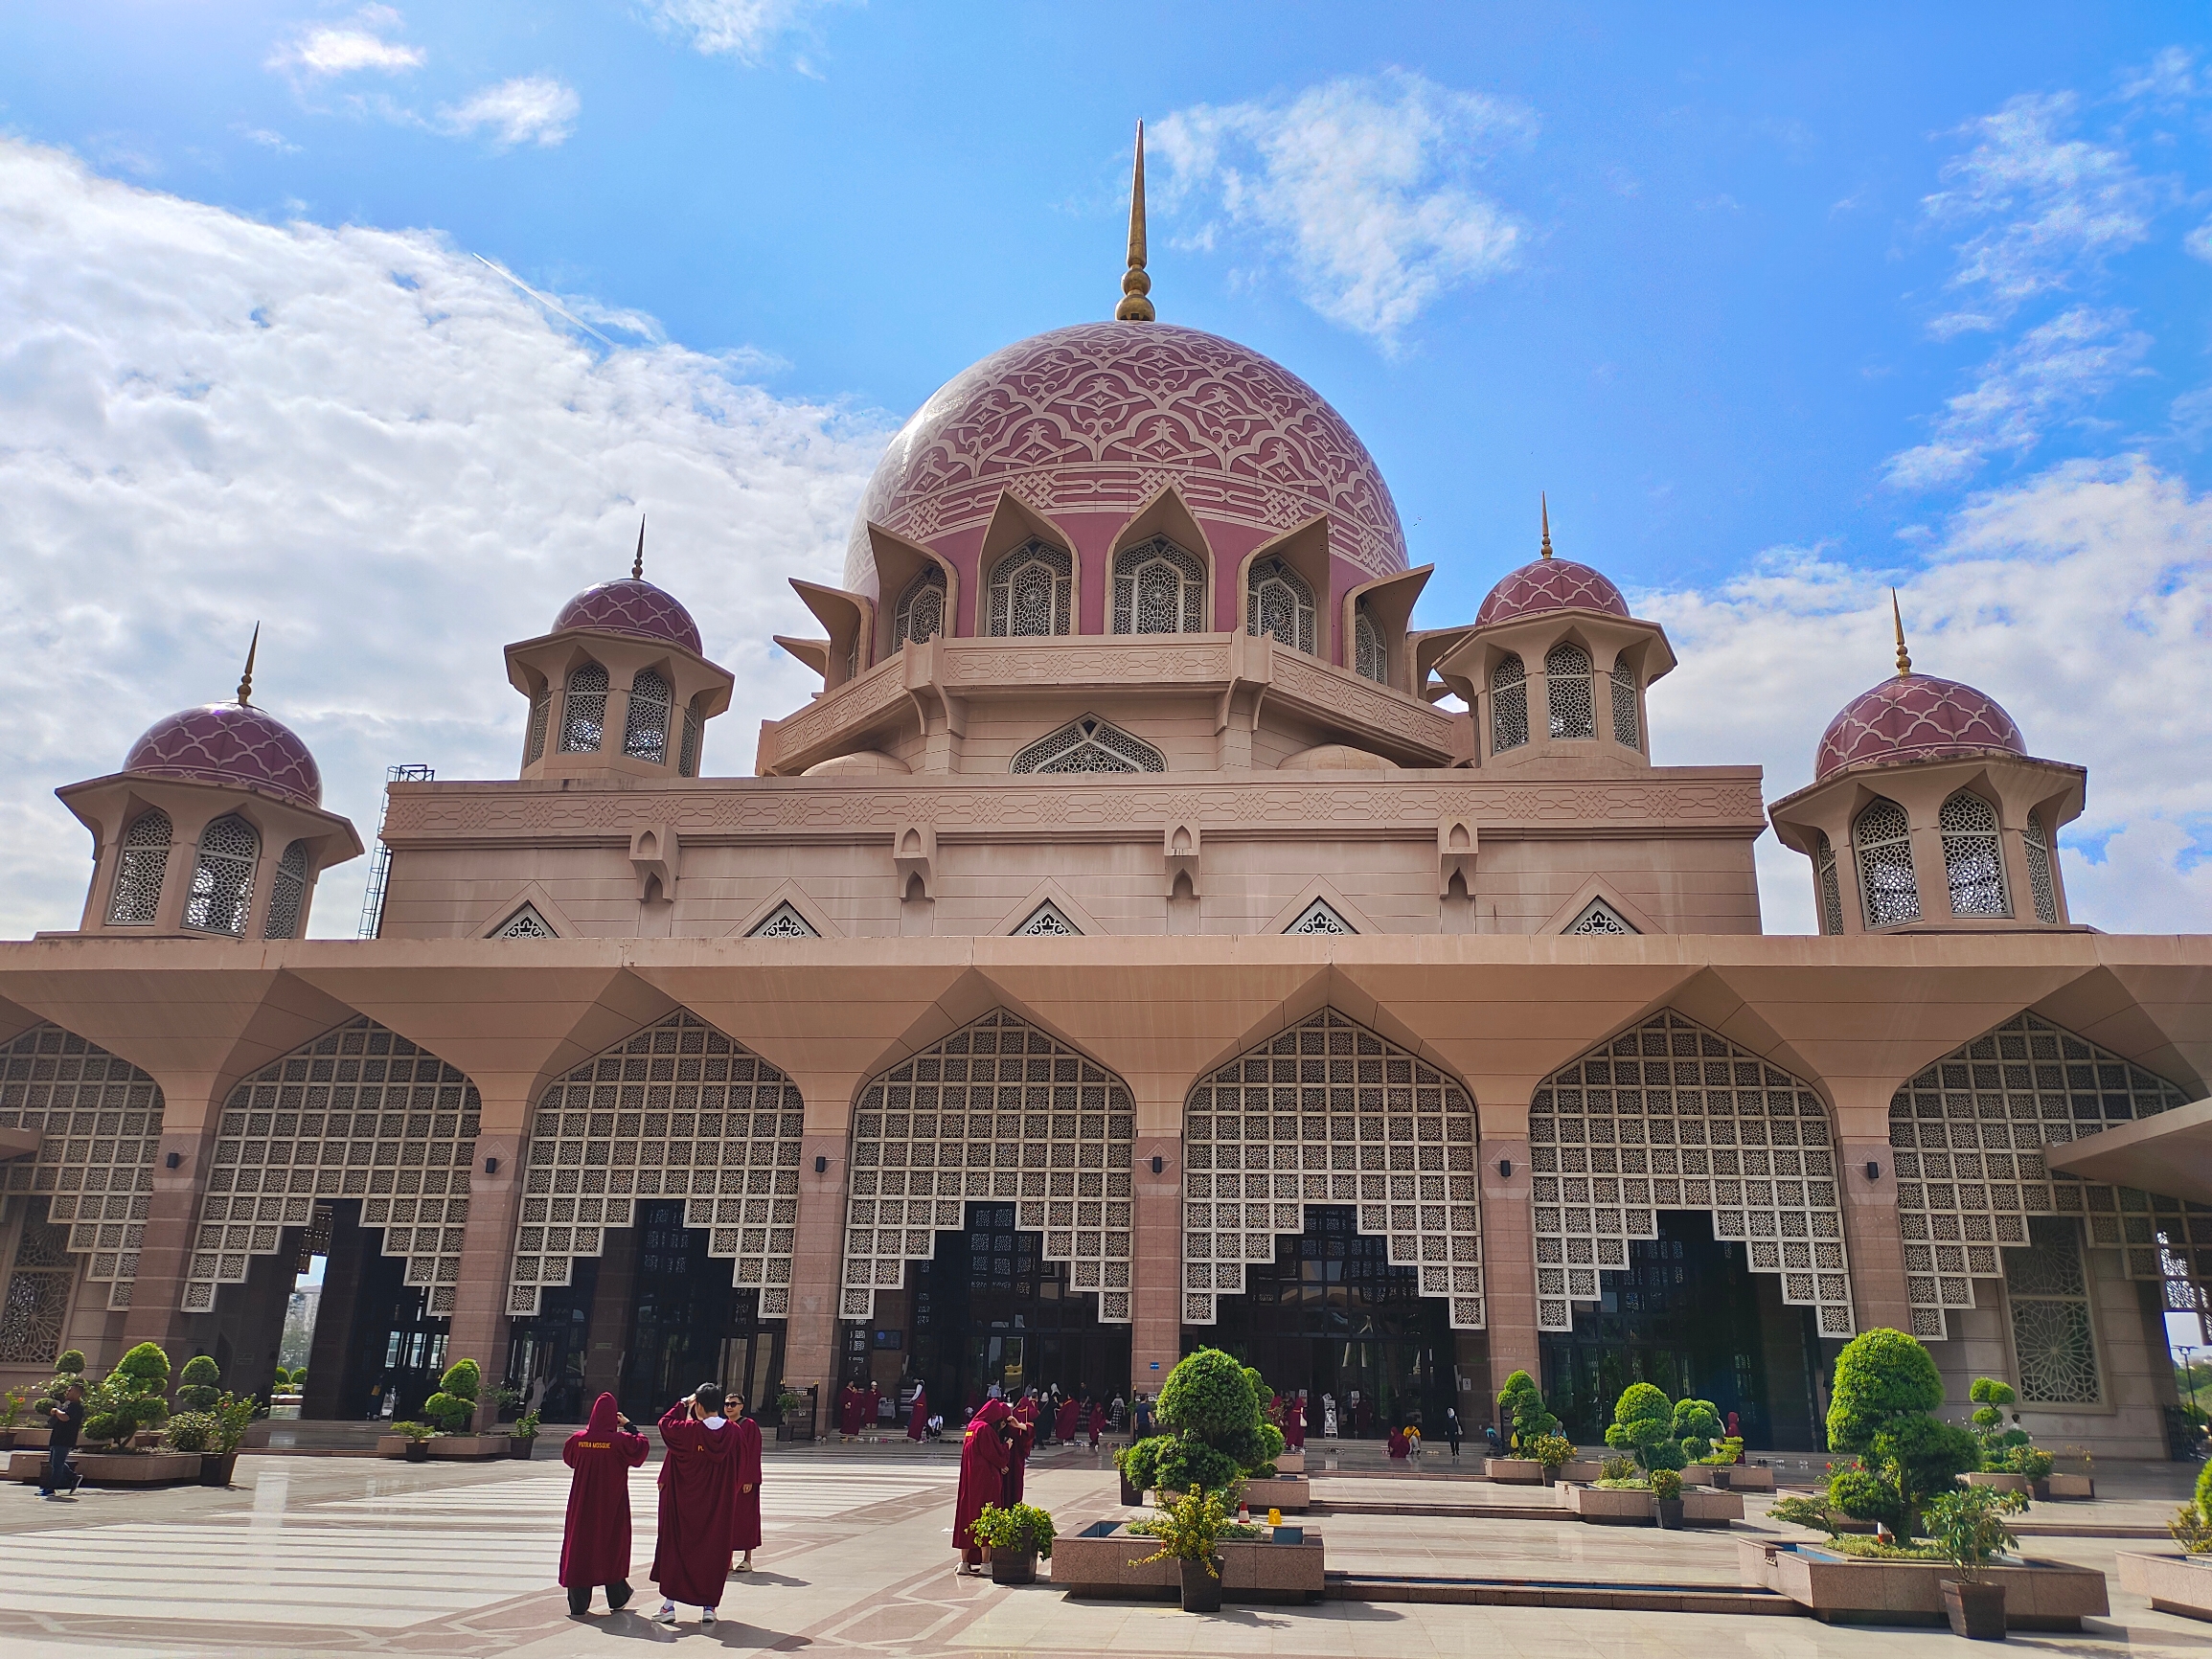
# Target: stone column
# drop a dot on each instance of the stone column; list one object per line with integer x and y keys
{"x": 479, "y": 1318}
{"x": 192, "y": 1110}
{"x": 1156, "y": 1220}
{"x": 1509, "y": 1265}
{"x": 1870, "y": 1231}
{"x": 817, "y": 1266}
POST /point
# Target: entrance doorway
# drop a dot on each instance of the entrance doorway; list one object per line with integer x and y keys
{"x": 1333, "y": 1316}
{"x": 1689, "y": 1316}
{"x": 690, "y": 1325}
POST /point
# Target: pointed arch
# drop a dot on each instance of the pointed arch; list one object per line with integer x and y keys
{"x": 921, "y": 609}
{"x": 1089, "y": 744}
{"x": 222, "y": 876}
{"x": 1159, "y": 588}
{"x": 1329, "y": 1112}
{"x": 1508, "y": 704}
{"x": 1000, "y": 1111}
{"x": 141, "y": 867}
{"x": 1974, "y": 866}
{"x": 99, "y": 1121}
{"x": 584, "y": 709}
{"x": 1671, "y": 1116}
{"x": 1566, "y": 691}
{"x": 1882, "y": 840}
{"x": 675, "y": 1110}
{"x": 361, "y": 1112}
{"x": 1030, "y": 593}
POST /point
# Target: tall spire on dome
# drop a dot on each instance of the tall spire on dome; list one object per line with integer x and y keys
{"x": 1135, "y": 284}
{"x": 1896, "y": 616}
{"x": 637, "y": 565}
{"x": 1544, "y": 506}
{"x": 246, "y": 679}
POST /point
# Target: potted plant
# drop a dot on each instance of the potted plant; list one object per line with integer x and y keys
{"x": 1968, "y": 1525}
{"x": 1554, "y": 1451}
{"x": 455, "y": 1401}
{"x": 201, "y": 1384}
{"x": 1520, "y": 1402}
{"x": 215, "y": 1433}
{"x": 1187, "y": 1529}
{"x": 1132, "y": 1494}
{"x": 12, "y": 1404}
{"x": 1667, "y": 1498}
{"x": 1016, "y": 1534}
{"x": 789, "y": 1404}
{"x": 418, "y": 1436}
{"x": 523, "y": 1436}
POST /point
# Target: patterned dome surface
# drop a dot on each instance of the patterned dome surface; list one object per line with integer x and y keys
{"x": 1549, "y": 584}
{"x": 1099, "y": 417}
{"x": 630, "y": 605}
{"x": 1915, "y": 717}
{"x": 229, "y": 743}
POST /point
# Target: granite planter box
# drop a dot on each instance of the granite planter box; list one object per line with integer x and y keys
{"x": 1837, "y": 1589}
{"x": 1291, "y": 1462}
{"x": 1291, "y": 1493}
{"x": 1998, "y": 1481}
{"x": 1580, "y": 1470}
{"x": 2171, "y": 1583}
{"x": 2066, "y": 1486}
{"x": 448, "y": 1447}
{"x": 1729, "y": 1477}
{"x": 1516, "y": 1471}
{"x": 1101, "y": 1560}
{"x": 113, "y": 1469}
{"x": 27, "y": 1437}
{"x": 1631, "y": 1507}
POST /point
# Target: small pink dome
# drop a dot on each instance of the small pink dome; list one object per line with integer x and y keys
{"x": 1550, "y": 584}
{"x": 633, "y": 607}
{"x": 229, "y": 743}
{"x": 1915, "y": 717}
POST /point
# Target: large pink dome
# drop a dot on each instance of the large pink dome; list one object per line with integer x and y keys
{"x": 632, "y": 605}
{"x": 1097, "y": 418}
{"x": 1915, "y": 717}
{"x": 1550, "y": 584}
{"x": 229, "y": 743}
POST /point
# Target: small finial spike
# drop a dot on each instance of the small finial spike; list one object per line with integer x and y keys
{"x": 1135, "y": 284}
{"x": 1896, "y": 616}
{"x": 1544, "y": 506}
{"x": 246, "y": 679}
{"x": 637, "y": 565}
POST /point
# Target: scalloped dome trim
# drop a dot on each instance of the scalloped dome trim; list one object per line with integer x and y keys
{"x": 633, "y": 607}
{"x": 1916, "y": 717}
{"x": 229, "y": 743}
{"x": 1550, "y": 584}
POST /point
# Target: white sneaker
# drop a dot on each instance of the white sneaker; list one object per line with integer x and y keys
{"x": 706, "y": 1617}
{"x": 667, "y": 1615}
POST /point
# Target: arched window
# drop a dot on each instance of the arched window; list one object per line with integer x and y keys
{"x": 1887, "y": 887}
{"x": 287, "y": 894}
{"x": 1831, "y": 893}
{"x": 1369, "y": 660}
{"x": 1508, "y": 706}
{"x": 584, "y": 719}
{"x": 688, "y": 757}
{"x": 1627, "y": 729}
{"x": 1567, "y": 673}
{"x": 1031, "y": 592}
{"x": 1159, "y": 589}
{"x": 1089, "y": 745}
{"x": 920, "y": 609}
{"x": 2046, "y": 890}
{"x": 1972, "y": 863}
{"x": 1279, "y": 602}
{"x": 540, "y": 717}
{"x": 645, "y": 729}
{"x": 135, "y": 898}
{"x": 222, "y": 882}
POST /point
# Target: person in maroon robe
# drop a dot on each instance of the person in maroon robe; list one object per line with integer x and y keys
{"x": 1064, "y": 1428}
{"x": 983, "y": 1461}
{"x": 595, "y": 1540}
{"x": 1020, "y": 1441}
{"x": 1399, "y": 1445}
{"x": 1098, "y": 1422}
{"x": 850, "y": 1404}
{"x": 745, "y": 1479}
{"x": 872, "y": 1410}
{"x": 1295, "y": 1422}
{"x": 918, "y": 1420}
{"x": 691, "y": 1557}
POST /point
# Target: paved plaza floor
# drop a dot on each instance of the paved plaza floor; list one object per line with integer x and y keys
{"x": 351, "y": 1555}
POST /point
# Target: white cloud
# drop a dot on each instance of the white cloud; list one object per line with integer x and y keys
{"x": 529, "y": 110}
{"x": 1363, "y": 187}
{"x": 2081, "y": 599}
{"x": 322, "y": 50}
{"x": 385, "y": 452}
{"x": 739, "y": 29}
{"x": 2050, "y": 372}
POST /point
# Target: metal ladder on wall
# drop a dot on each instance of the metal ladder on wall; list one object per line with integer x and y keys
{"x": 380, "y": 860}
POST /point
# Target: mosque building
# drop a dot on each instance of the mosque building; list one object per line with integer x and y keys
{"x": 1146, "y": 938}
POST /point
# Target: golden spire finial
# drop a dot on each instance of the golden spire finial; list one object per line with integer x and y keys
{"x": 1544, "y": 506}
{"x": 246, "y": 680}
{"x": 1135, "y": 284}
{"x": 1896, "y": 616}
{"x": 637, "y": 565}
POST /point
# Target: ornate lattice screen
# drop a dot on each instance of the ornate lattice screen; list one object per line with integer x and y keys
{"x": 358, "y": 1113}
{"x": 1671, "y": 1116}
{"x": 99, "y": 1123}
{"x": 997, "y": 1110}
{"x": 677, "y": 1111}
{"x": 1968, "y": 1136}
{"x": 1329, "y": 1113}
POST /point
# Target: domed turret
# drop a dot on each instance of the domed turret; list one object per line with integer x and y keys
{"x": 229, "y": 743}
{"x": 630, "y": 605}
{"x": 1546, "y": 584}
{"x": 1927, "y": 812}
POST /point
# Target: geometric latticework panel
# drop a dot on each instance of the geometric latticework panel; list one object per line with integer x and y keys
{"x": 1967, "y": 1136}
{"x": 35, "y": 1304}
{"x": 2054, "y": 1337}
{"x": 998, "y": 1110}
{"x": 677, "y": 1110}
{"x": 1671, "y": 1116}
{"x": 1330, "y": 1113}
{"x": 358, "y": 1113}
{"x": 99, "y": 1121}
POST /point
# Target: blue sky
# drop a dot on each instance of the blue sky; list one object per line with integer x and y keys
{"x": 1779, "y": 305}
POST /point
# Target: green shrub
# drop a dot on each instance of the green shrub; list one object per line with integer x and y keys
{"x": 1998, "y": 1443}
{"x": 1666, "y": 1486}
{"x": 1698, "y": 1426}
{"x": 1808, "y": 1512}
{"x": 1967, "y": 1523}
{"x": 1662, "y": 1434}
{"x": 129, "y": 1398}
{"x": 217, "y": 1431}
{"x": 282, "y": 1382}
{"x": 415, "y": 1431}
{"x": 1015, "y": 1526}
{"x": 455, "y": 1401}
{"x": 2035, "y": 1464}
{"x": 1551, "y": 1450}
{"x": 1617, "y": 1469}
{"x": 1864, "y": 1496}
{"x": 1187, "y": 1528}
{"x": 1213, "y": 1429}
{"x": 1880, "y": 1376}
{"x": 200, "y": 1384}
{"x": 1886, "y": 1387}
{"x": 190, "y": 1431}
{"x": 1525, "y": 1411}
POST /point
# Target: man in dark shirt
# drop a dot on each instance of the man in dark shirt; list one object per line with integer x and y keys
{"x": 64, "y": 1421}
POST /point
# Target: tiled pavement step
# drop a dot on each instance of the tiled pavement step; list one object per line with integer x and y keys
{"x": 1543, "y": 1593}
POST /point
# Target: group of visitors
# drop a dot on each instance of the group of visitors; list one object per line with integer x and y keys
{"x": 993, "y": 1457}
{"x": 710, "y": 1503}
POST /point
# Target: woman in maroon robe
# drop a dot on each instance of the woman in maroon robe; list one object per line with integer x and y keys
{"x": 918, "y": 1420}
{"x": 1098, "y": 1421}
{"x": 983, "y": 1460}
{"x": 851, "y": 1403}
{"x": 1064, "y": 1428}
{"x": 1295, "y": 1422}
{"x": 595, "y": 1542}
{"x": 691, "y": 1557}
{"x": 1399, "y": 1445}
{"x": 745, "y": 1500}
{"x": 1020, "y": 1440}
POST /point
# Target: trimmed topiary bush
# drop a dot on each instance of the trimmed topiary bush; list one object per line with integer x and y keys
{"x": 455, "y": 1401}
{"x": 1880, "y": 1376}
{"x": 1214, "y": 1432}
{"x": 68, "y": 1368}
{"x": 1886, "y": 1390}
{"x": 1643, "y": 1426}
{"x": 1998, "y": 1443}
{"x": 129, "y": 1398}
{"x": 1525, "y": 1413}
{"x": 201, "y": 1385}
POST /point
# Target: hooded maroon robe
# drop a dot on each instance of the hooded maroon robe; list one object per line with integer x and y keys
{"x": 983, "y": 1460}
{"x": 1024, "y": 1439}
{"x": 849, "y": 1405}
{"x": 745, "y": 1498}
{"x": 918, "y": 1421}
{"x": 1295, "y": 1424}
{"x": 691, "y": 1557}
{"x": 595, "y": 1542}
{"x": 1097, "y": 1424}
{"x": 1064, "y": 1428}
